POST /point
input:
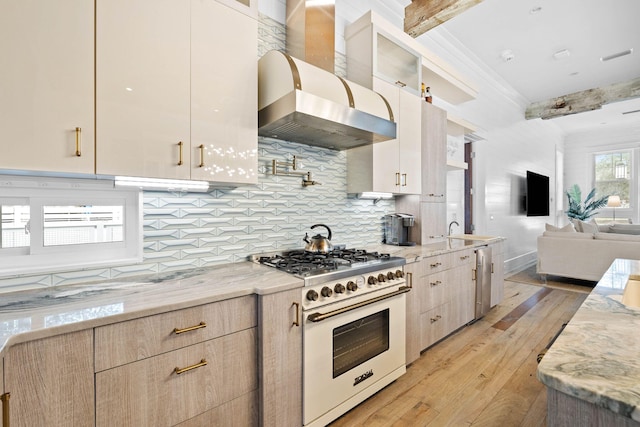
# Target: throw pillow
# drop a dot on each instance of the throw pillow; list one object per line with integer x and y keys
{"x": 602, "y": 228}
{"x": 586, "y": 227}
{"x": 567, "y": 228}
{"x": 564, "y": 235}
{"x": 625, "y": 228}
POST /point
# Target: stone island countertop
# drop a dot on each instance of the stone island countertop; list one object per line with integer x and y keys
{"x": 596, "y": 358}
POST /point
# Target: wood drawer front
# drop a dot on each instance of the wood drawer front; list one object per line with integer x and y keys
{"x": 463, "y": 257}
{"x": 149, "y": 392}
{"x": 436, "y": 290}
{"x": 435, "y": 264}
{"x": 434, "y": 325}
{"x": 138, "y": 339}
{"x": 240, "y": 412}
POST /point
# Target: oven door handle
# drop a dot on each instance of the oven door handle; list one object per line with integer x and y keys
{"x": 317, "y": 317}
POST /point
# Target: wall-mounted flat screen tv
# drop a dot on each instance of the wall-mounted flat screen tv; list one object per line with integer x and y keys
{"x": 537, "y": 198}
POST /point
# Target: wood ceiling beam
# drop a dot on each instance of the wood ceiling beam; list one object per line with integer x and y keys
{"x": 422, "y": 15}
{"x": 587, "y": 100}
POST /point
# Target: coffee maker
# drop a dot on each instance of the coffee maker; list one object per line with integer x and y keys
{"x": 396, "y": 229}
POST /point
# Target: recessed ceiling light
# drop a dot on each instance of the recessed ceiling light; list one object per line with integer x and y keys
{"x": 535, "y": 10}
{"x": 575, "y": 73}
{"x": 507, "y": 55}
{"x": 616, "y": 55}
{"x": 562, "y": 54}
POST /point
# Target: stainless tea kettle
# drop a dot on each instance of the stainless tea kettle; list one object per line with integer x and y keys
{"x": 318, "y": 243}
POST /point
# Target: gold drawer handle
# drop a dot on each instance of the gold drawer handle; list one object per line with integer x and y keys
{"x": 436, "y": 283}
{"x": 397, "y": 179}
{"x": 438, "y": 317}
{"x": 78, "y": 141}
{"x": 437, "y": 264}
{"x": 179, "y": 371}
{"x": 180, "y": 144}
{"x": 296, "y": 322}
{"x": 201, "y": 147}
{"x": 190, "y": 328}
{"x": 5, "y": 408}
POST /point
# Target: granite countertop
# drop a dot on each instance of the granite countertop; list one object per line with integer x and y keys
{"x": 597, "y": 356}
{"x": 39, "y": 313}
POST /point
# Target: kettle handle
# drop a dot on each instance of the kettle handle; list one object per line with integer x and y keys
{"x": 322, "y": 225}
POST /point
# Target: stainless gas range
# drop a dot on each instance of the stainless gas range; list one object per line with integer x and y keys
{"x": 354, "y": 314}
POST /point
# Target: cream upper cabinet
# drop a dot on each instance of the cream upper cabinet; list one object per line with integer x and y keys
{"x": 375, "y": 59}
{"x": 142, "y": 88}
{"x": 46, "y": 101}
{"x": 391, "y": 166}
{"x": 176, "y": 90}
{"x": 224, "y": 102}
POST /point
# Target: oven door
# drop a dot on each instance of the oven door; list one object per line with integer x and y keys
{"x": 351, "y": 355}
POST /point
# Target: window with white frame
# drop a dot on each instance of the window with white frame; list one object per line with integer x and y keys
{"x": 49, "y": 225}
{"x": 612, "y": 175}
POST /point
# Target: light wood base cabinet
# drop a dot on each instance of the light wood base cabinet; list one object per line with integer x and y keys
{"x": 51, "y": 381}
{"x": 445, "y": 295}
{"x": 153, "y": 393}
{"x": 280, "y": 356}
{"x": 414, "y": 279}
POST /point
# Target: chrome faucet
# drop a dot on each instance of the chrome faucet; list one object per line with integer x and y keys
{"x": 450, "y": 224}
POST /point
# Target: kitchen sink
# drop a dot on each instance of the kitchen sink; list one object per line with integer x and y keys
{"x": 631, "y": 295}
{"x": 471, "y": 237}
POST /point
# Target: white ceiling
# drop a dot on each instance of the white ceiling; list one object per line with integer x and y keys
{"x": 536, "y": 29}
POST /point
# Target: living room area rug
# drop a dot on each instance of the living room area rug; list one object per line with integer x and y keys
{"x": 530, "y": 277}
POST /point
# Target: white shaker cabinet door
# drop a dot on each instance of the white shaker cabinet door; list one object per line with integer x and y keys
{"x": 46, "y": 89}
{"x": 224, "y": 102}
{"x": 143, "y": 88}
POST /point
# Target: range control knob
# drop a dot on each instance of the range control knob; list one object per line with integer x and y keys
{"x": 391, "y": 275}
{"x": 339, "y": 288}
{"x": 372, "y": 280}
{"x": 326, "y": 291}
{"x": 382, "y": 278}
{"x": 399, "y": 273}
{"x": 312, "y": 295}
{"x": 351, "y": 286}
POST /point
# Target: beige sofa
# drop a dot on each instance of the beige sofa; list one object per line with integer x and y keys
{"x": 584, "y": 255}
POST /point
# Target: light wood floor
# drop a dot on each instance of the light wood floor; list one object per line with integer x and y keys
{"x": 479, "y": 376}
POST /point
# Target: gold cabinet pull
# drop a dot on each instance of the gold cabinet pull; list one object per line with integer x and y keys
{"x": 436, "y": 283}
{"x": 201, "y": 147}
{"x": 78, "y": 141}
{"x": 409, "y": 279}
{"x": 296, "y": 321}
{"x": 438, "y": 317}
{"x": 5, "y": 409}
{"x": 492, "y": 268}
{"x": 203, "y": 362}
{"x": 180, "y": 144}
{"x": 404, "y": 178}
{"x": 397, "y": 178}
{"x": 190, "y": 328}
{"x": 434, "y": 265}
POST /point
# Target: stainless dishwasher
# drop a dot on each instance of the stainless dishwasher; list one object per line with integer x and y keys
{"x": 482, "y": 277}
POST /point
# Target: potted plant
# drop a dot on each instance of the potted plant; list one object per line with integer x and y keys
{"x": 583, "y": 211}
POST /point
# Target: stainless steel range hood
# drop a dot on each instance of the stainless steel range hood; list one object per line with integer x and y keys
{"x": 303, "y": 103}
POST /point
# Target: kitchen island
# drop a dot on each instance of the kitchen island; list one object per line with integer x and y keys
{"x": 592, "y": 370}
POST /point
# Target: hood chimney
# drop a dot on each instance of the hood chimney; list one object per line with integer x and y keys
{"x": 311, "y": 32}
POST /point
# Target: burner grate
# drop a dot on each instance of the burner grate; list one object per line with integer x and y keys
{"x": 304, "y": 263}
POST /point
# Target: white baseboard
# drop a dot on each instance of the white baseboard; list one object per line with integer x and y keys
{"x": 519, "y": 263}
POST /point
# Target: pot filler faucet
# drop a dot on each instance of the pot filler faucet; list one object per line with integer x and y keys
{"x": 450, "y": 224}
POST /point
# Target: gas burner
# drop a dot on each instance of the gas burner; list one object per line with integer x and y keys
{"x": 314, "y": 267}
